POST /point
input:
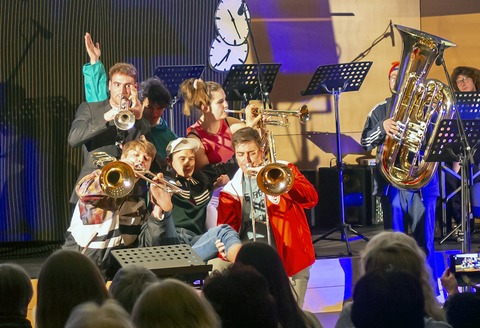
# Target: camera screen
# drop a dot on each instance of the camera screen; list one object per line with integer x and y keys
{"x": 465, "y": 263}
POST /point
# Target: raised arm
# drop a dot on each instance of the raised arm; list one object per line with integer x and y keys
{"x": 95, "y": 76}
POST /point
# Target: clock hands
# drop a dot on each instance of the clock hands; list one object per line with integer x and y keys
{"x": 224, "y": 58}
{"x": 234, "y": 24}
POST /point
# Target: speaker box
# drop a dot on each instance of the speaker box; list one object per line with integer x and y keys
{"x": 357, "y": 186}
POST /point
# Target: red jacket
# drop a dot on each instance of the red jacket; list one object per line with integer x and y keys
{"x": 287, "y": 218}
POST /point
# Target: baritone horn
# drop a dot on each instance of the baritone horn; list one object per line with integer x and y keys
{"x": 117, "y": 179}
{"x": 418, "y": 107}
{"x": 277, "y": 117}
{"x": 125, "y": 119}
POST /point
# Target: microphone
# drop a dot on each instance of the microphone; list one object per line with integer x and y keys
{"x": 241, "y": 9}
{"x": 392, "y": 35}
{"x": 43, "y": 31}
{"x": 439, "y": 60}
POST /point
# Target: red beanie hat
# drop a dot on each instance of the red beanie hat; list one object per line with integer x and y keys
{"x": 394, "y": 67}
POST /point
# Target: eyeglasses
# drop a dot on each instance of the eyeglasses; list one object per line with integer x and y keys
{"x": 462, "y": 80}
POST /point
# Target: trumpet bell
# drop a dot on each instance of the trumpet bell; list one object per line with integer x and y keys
{"x": 117, "y": 179}
{"x": 275, "y": 179}
{"x": 124, "y": 120}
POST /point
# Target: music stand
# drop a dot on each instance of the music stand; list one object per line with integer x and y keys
{"x": 335, "y": 79}
{"x": 468, "y": 105}
{"x": 448, "y": 146}
{"x": 327, "y": 142}
{"x": 172, "y": 77}
{"x": 246, "y": 82}
{"x": 178, "y": 261}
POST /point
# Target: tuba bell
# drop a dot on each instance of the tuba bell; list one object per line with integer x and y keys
{"x": 418, "y": 107}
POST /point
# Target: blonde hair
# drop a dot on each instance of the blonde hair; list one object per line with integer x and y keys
{"x": 396, "y": 250}
{"x": 171, "y": 304}
{"x": 90, "y": 315}
{"x": 197, "y": 93}
{"x": 142, "y": 145}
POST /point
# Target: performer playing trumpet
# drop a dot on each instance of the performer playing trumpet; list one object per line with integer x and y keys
{"x": 288, "y": 223}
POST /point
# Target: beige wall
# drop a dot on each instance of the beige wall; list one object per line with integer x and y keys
{"x": 352, "y": 35}
{"x": 460, "y": 29}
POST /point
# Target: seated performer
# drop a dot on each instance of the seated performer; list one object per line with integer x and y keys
{"x": 288, "y": 223}
{"x": 101, "y": 223}
{"x": 188, "y": 217}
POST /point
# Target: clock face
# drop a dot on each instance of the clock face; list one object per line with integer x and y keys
{"x": 223, "y": 56}
{"x": 233, "y": 21}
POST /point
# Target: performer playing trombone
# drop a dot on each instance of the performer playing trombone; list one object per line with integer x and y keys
{"x": 106, "y": 219}
{"x": 284, "y": 207}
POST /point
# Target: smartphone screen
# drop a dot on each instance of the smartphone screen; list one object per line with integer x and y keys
{"x": 465, "y": 263}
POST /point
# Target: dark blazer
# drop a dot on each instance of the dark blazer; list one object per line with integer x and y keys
{"x": 90, "y": 131}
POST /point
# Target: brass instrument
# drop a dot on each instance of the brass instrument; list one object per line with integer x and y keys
{"x": 280, "y": 115}
{"x": 117, "y": 179}
{"x": 418, "y": 106}
{"x": 124, "y": 119}
{"x": 102, "y": 158}
{"x": 274, "y": 178}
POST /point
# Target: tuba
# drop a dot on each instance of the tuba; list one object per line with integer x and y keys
{"x": 418, "y": 107}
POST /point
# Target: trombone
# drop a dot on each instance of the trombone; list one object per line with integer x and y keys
{"x": 280, "y": 115}
{"x": 117, "y": 179}
{"x": 273, "y": 179}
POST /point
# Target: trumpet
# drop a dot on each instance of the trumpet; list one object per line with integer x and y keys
{"x": 125, "y": 119}
{"x": 280, "y": 115}
{"x": 117, "y": 179}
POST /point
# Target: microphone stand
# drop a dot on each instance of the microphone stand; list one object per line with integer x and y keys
{"x": 377, "y": 41}
{"x": 261, "y": 87}
{"x": 466, "y": 163}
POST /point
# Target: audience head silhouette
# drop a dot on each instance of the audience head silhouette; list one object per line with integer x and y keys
{"x": 15, "y": 292}
{"x": 391, "y": 299}
{"x": 67, "y": 278}
{"x": 91, "y": 315}
{"x": 129, "y": 282}
{"x": 173, "y": 304}
{"x": 241, "y": 298}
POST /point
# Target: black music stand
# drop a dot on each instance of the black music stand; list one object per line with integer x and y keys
{"x": 172, "y": 77}
{"x": 246, "y": 82}
{"x": 448, "y": 146}
{"x": 468, "y": 105}
{"x": 335, "y": 79}
{"x": 327, "y": 142}
{"x": 178, "y": 261}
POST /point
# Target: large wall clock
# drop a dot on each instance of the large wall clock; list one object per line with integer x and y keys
{"x": 232, "y": 20}
{"x": 230, "y": 46}
{"x": 223, "y": 56}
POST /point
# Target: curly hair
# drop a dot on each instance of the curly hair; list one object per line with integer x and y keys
{"x": 470, "y": 72}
